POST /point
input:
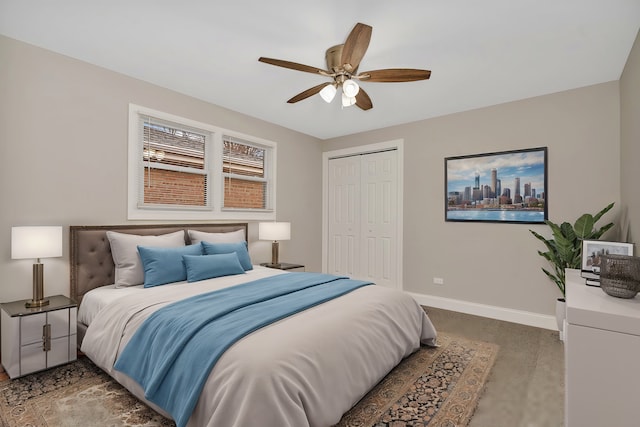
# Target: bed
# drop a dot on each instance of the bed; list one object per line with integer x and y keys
{"x": 307, "y": 369}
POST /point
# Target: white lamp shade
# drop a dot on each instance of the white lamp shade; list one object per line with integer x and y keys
{"x": 348, "y": 101}
{"x": 328, "y": 93}
{"x": 274, "y": 231}
{"x": 36, "y": 242}
{"x": 350, "y": 88}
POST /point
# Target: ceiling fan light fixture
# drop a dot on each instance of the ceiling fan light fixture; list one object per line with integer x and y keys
{"x": 343, "y": 61}
{"x": 347, "y": 101}
{"x": 350, "y": 88}
{"x": 328, "y": 93}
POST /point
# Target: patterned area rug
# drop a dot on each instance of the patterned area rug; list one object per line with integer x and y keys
{"x": 435, "y": 387}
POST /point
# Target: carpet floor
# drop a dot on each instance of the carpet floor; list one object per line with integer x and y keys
{"x": 434, "y": 387}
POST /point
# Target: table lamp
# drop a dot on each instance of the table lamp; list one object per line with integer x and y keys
{"x": 36, "y": 242}
{"x": 274, "y": 231}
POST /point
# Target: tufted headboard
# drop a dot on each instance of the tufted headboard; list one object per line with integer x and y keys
{"x": 91, "y": 262}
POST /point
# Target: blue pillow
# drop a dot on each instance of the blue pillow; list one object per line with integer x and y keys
{"x": 239, "y": 248}
{"x": 209, "y": 266}
{"x": 165, "y": 265}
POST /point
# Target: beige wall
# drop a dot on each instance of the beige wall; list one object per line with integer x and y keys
{"x": 497, "y": 264}
{"x": 63, "y": 151}
{"x": 630, "y": 142}
{"x": 63, "y": 130}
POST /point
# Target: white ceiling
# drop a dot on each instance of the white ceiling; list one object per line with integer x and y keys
{"x": 480, "y": 52}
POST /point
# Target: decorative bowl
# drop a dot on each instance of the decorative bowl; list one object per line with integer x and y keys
{"x": 620, "y": 275}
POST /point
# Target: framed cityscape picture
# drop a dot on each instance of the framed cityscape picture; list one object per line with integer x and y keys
{"x": 507, "y": 186}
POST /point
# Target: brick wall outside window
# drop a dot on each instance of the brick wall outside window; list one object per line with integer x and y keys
{"x": 180, "y": 188}
{"x": 174, "y": 188}
{"x": 243, "y": 194}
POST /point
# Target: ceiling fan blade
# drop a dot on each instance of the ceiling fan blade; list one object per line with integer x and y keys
{"x": 307, "y": 93}
{"x": 355, "y": 46}
{"x": 394, "y": 75}
{"x": 292, "y": 65}
{"x": 363, "y": 101}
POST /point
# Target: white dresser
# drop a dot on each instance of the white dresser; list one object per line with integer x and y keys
{"x": 602, "y": 357}
{"x": 34, "y": 339}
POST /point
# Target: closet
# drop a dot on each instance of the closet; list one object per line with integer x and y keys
{"x": 362, "y": 217}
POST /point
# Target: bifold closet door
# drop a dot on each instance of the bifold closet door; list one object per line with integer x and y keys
{"x": 363, "y": 217}
{"x": 344, "y": 216}
{"x": 378, "y": 217}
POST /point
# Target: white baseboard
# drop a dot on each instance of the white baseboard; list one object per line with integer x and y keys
{"x": 493, "y": 312}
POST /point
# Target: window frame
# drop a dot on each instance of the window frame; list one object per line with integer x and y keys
{"x": 268, "y": 174}
{"x": 213, "y": 158}
{"x": 206, "y": 171}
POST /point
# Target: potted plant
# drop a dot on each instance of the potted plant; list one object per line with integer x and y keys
{"x": 564, "y": 249}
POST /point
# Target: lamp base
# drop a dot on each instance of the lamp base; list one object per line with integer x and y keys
{"x": 274, "y": 252}
{"x": 36, "y": 303}
{"x": 38, "y": 299}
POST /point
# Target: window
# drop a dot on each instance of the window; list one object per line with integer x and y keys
{"x": 174, "y": 170}
{"x": 245, "y": 180}
{"x": 182, "y": 169}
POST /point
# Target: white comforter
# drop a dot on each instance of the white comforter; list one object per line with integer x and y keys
{"x": 306, "y": 370}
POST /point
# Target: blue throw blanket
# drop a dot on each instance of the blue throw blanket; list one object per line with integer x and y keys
{"x": 172, "y": 354}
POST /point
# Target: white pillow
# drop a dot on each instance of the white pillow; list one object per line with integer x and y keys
{"x": 229, "y": 237}
{"x": 124, "y": 249}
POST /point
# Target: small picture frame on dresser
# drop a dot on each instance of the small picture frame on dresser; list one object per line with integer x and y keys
{"x": 592, "y": 250}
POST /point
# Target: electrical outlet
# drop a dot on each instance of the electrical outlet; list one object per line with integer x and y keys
{"x": 438, "y": 281}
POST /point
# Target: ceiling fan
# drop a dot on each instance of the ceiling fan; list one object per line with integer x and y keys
{"x": 342, "y": 63}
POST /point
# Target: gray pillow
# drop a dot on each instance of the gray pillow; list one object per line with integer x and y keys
{"x": 228, "y": 237}
{"x": 124, "y": 250}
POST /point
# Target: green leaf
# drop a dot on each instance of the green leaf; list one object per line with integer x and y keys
{"x": 597, "y": 216}
{"x": 550, "y": 244}
{"x": 555, "y": 228}
{"x": 538, "y": 236}
{"x": 597, "y": 234}
{"x": 584, "y": 226}
{"x": 566, "y": 255}
{"x": 568, "y": 231}
{"x": 556, "y": 280}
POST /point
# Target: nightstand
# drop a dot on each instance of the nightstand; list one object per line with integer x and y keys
{"x": 283, "y": 266}
{"x": 38, "y": 338}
